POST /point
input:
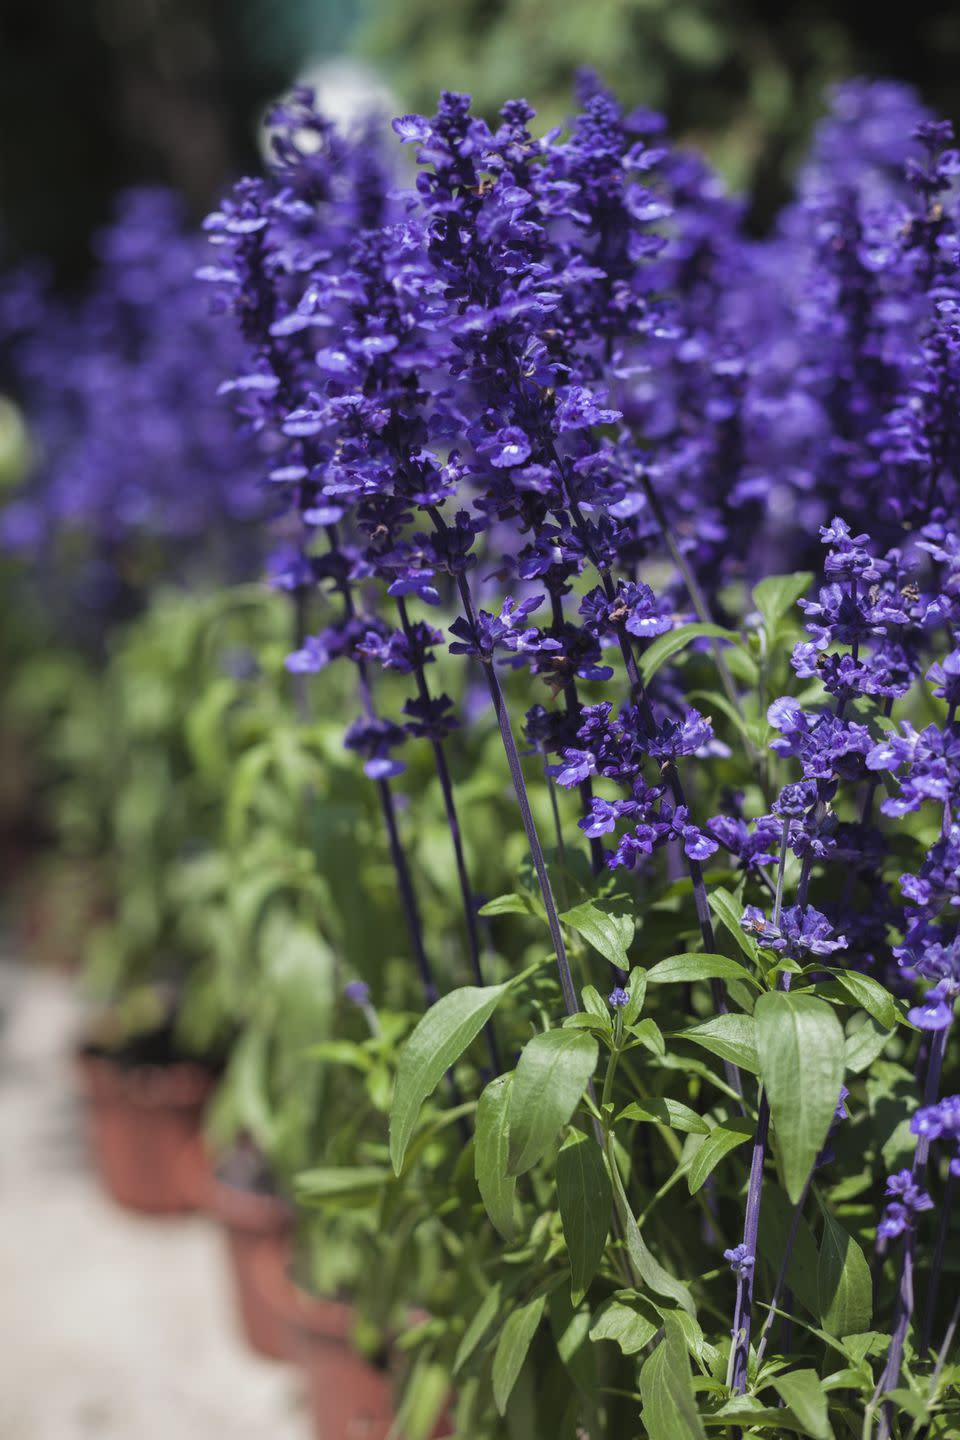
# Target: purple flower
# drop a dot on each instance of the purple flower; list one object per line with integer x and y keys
{"x": 906, "y": 1202}
{"x": 357, "y": 992}
{"x": 740, "y": 1259}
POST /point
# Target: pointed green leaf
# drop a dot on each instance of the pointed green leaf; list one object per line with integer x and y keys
{"x": 505, "y": 905}
{"x": 775, "y": 596}
{"x": 515, "y": 1340}
{"x": 628, "y": 1320}
{"x": 804, "y": 1394}
{"x": 729, "y": 1036}
{"x": 869, "y": 994}
{"x": 776, "y": 1219}
{"x": 498, "y": 1190}
{"x": 666, "y": 1385}
{"x": 482, "y": 1320}
{"x": 334, "y": 1182}
{"x": 662, "y": 1111}
{"x": 728, "y": 911}
{"x": 438, "y": 1040}
{"x": 646, "y": 1268}
{"x": 679, "y": 969}
{"x": 637, "y": 993}
{"x": 547, "y": 1086}
{"x": 863, "y": 1045}
{"x": 595, "y": 1005}
{"x": 719, "y": 1142}
{"x": 843, "y": 1282}
{"x": 609, "y": 933}
{"x": 584, "y": 1199}
{"x": 647, "y": 1033}
{"x": 800, "y": 1045}
{"x": 666, "y": 646}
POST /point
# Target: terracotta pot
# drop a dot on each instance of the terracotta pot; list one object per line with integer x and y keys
{"x": 143, "y": 1119}
{"x": 256, "y": 1225}
{"x": 349, "y": 1397}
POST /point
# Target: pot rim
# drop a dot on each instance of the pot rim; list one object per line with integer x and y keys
{"x": 183, "y": 1084}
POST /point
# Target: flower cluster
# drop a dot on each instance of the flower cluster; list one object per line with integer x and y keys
{"x": 134, "y": 449}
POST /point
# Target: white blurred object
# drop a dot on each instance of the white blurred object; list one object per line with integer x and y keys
{"x": 347, "y": 92}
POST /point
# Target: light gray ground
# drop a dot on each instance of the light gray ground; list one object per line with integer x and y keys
{"x": 111, "y": 1327}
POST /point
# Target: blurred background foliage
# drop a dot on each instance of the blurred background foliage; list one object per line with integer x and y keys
{"x": 95, "y": 94}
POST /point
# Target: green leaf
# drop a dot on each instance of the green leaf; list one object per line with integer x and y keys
{"x": 800, "y": 1045}
{"x": 646, "y": 1268}
{"x": 595, "y": 1006}
{"x": 660, "y": 1110}
{"x": 745, "y": 1410}
{"x": 584, "y": 1199}
{"x": 515, "y": 1340}
{"x": 666, "y": 646}
{"x": 438, "y": 1040}
{"x": 863, "y": 1044}
{"x": 844, "y": 1286}
{"x": 498, "y": 1189}
{"x": 803, "y": 1392}
{"x": 719, "y": 1142}
{"x": 505, "y": 905}
{"x": 547, "y": 1086}
{"x": 609, "y": 933}
{"x": 778, "y": 594}
{"x": 669, "y": 1403}
{"x": 869, "y": 994}
{"x": 915, "y": 1405}
{"x": 333, "y": 1182}
{"x": 637, "y": 992}
{"x": 482, "y": 1320}
{"x": 679, "y": 969}
{"x": 728, "y": 911}
{"x": 776, "y": 1218}
{"x": 648, "y": 1034}
{"x": 626, "y": 1319}
{"x": 729, "y": 1036}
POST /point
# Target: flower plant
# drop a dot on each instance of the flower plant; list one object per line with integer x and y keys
{"x": 576, "y": 860}
{"x": 550, "y": 400}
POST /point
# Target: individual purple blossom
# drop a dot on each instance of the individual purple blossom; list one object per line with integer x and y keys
{"x": 374, "y": 738}
{"x": 617, "y": 998}
{"x": 754, "y": 844}
{"x": 739, "y": 1259}
{"x": 357, "y": 992}
{"x": 506, "y": 631}
{"x": 906, "y": 1202}
{"x": 935, "y": 1012}
{"x": 801, "y": 929}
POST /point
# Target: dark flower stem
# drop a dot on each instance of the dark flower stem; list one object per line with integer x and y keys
{"x": 671, "y": 775}
{"x": 571, "y": 701}
{"x": 530, "y": 829}
{"x": 943, "y": 1229}
{"x": 456, "y": 836}
{"x": 903, "y": 1311}
{"x": 408, "y": 899}
{"x": 301, "y": 698}
{"x": 785, "y": 1258}
{"x": 694, "y": 868}
{"x": 701, "y": 606}
{"x": 740, "y": 1354}
{"x": 520, "y": 789}
{"x": 945, "y": 1348}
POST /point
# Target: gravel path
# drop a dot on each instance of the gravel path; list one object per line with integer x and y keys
{"x": 111, "y": 1327}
